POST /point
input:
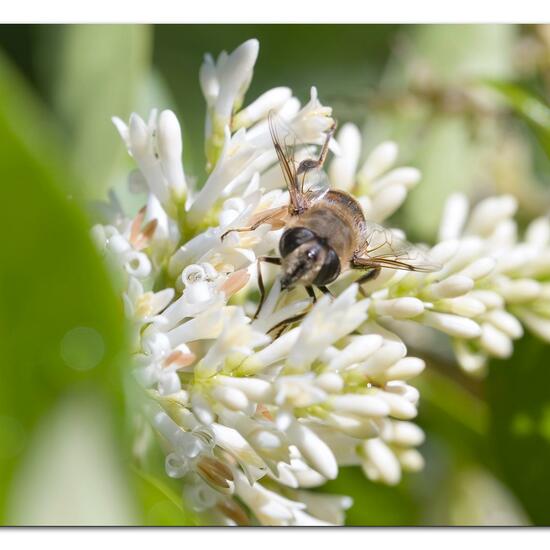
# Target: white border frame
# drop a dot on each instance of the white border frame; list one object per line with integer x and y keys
{"x": 281, "y": 11}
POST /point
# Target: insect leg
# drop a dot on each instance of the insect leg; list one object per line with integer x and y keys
{"x": 308, "y": 164}
{"x": 284, "y": 324}
{"x": 373, "y": 271}
{"x": 271, "y": 214}
{"x": 311, "y": 293}
{"x": 369, "y": 276}
{"x": 325, "y": 290}
{"x": 270, "y": 260}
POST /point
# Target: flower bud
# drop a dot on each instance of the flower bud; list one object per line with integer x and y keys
{"x": 342, "y": 169}
{"x": 364, "y": 405}
{"x": 453, "y": 325}
{"x": 380, "y": 159}
{"x": 451, "y": 287}
{"x": 314, "y": 449}
{"x": 380, "y": 463}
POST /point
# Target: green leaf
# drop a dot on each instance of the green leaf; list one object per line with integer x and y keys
{"x": 163, "y": 506}
{"x": 373, "y": 503}
{"x": 97, "y": 71}
{"x": 457, "y": 53}
{"x": 71, "y": 473}
{"x": 532, "y": 109}
{"x": 61, "y": 325}
{"x": 519, "y": 400}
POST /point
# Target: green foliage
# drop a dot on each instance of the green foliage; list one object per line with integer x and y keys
{"x": 62, "y": 334}
{"x": 373, "y": 504}
{"x": 51, "y": 282}
{"x": 163, "y": 505}
{"x": 96, "y": 72}
{"x": 519, "y": 401}
{"x": 531, "y": 108}
{"x": 422, "y": 105}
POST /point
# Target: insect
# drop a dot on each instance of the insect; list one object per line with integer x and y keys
{"x": 325, "y": 230}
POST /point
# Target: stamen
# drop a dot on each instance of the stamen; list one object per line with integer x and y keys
{"x": 235, "y": 282}
{"x": 234, "y": 511}
{"x": 136, "y": 224}
{"x": 179, "y": 358}
{"x": 215, "y": 472}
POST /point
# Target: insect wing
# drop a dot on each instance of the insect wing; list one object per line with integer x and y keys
{"x": 291, "y": 151}
{"x": 284, "y": 149}
{"x": 384, "y": 248}
{"x": 316, "y": 185}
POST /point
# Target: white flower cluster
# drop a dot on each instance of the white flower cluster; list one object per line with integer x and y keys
{"x": 253, "y": 418}
{"x": 490, "y": 281}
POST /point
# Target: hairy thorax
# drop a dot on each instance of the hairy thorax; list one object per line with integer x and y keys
{"x": 337, "y": 218}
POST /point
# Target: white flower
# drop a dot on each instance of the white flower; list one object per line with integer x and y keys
{"x": 224, "y": 84}
{"x": 124, "y": 249}
{"x": 381, "y": 189}
{"x": 143, "y": 306}
{"x": 236, "y": 156}
{"x": 156, "y": 147}
{"x": 252, "y": 413}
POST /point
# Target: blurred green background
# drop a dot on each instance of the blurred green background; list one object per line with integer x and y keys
{"x": 468, "y": 106}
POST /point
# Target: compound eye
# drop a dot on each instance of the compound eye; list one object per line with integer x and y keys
{"x": 293, "y": 238}
{"x": 329, "y": 270}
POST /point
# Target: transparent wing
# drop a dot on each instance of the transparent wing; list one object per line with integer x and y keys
{"x": 285, "y": 154}
{"x": 316, "y": 185}
{"x": 299, "y": 161}
{"x": 384, "y": 248}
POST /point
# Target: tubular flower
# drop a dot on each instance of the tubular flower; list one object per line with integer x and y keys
{"x": 252, "y": 417}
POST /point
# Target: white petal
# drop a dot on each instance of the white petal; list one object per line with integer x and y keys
{"x": 359, "y": 349}
{"x": 342, "y": 169}
{"x": 139, "y": 136}
{"x": 539, "y": 325}
{"x": 473, "y": 363}
{"x": 453, "y": 217}
{"x": 399, "y": 308}
{"x": 519, "y": 290}
{"x": 386, "y": 465}
{"x": 387, "y": 201}
{"x": 465, "y": 306}
{"x": 451, "y": 287}
{"x": 208, "y": 80}
{"x": 505, "y": 322}
{"x": 406, "y": 434}
{"x": 453, "y": 325}
{"x": 236, "y": 74}
{"x": 273, "y": 99}
{"x": 380, "y": 160}
{"x": 399, "y": 406}
{"x": 538, "y": 232}
{"x": 410, "y": 459}
{"x": 253, "y": 388}
{"x": 385, "y": 357}
{"x": 364, "y": 405}
{"x": 170, "y": 150}
{"x": 314, "y": 450}
{"x": 495, "y": 341}
{"x": 232, "y": 398}
{"x": 489, "y": 212}
{"x": 488, "y": 298}
{"x": 202, "y": 408}
{"x": 405, "y": 368}
{"x": 479, "y": 268}
{"x": 330, "y": 382}
{"x": 404, "y": 176}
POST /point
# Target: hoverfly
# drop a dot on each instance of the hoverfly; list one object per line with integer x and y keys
{"x": 325, "y": 230}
